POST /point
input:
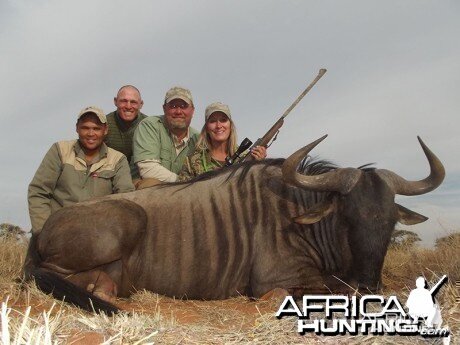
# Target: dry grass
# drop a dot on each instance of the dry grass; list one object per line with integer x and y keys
{"x": 30, "y": 317}
{"x": 402, "y": 264}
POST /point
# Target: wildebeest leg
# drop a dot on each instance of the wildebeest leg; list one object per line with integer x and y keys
{"x": 83, "y": 237}
{"x": 120, "y": 274}
{"x": 53, "y": 283}
{"x": 89, "y": 243}
{"x": 96, "y": 282}
{"x": 106, "y": 282}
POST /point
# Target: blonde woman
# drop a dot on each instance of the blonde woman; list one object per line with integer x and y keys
{"x": 216, "y": 142}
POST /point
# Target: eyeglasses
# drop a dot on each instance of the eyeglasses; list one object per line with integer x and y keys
{"x": 178, "y": 105}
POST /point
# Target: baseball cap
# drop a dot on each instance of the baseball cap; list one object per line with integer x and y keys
{"x": 217, "y": 106}
{"x": 178, "y": 92}
{"x": 95, "y": 110}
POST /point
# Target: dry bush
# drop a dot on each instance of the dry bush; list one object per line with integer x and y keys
{"x": 403, "y": 264}
{"x": 12, "y": 254}
{"x": 449, "y": 241}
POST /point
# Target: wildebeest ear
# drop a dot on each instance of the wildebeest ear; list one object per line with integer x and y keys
{"x": 316, "y": 213}
{"x": 408, "y": 217}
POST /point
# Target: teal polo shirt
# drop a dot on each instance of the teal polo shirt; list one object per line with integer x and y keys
{"x": 152, "y": 140}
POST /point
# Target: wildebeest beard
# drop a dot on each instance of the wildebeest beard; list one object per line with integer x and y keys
{"x": 247, "y": 229}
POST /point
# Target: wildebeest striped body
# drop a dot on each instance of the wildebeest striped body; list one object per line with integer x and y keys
{"x": 229, "y": 239}
{"x": 247, "y": 229}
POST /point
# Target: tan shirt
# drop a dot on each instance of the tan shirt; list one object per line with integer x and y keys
{"x": 64, "y": 178}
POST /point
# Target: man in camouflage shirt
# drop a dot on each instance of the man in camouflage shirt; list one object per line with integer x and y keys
{"x": 123, "y": 122}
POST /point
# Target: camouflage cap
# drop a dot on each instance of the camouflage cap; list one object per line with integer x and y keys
{"x": 217, "y": 106}
{"x": 178, "y": 92}
{"x": 95, "y": 110}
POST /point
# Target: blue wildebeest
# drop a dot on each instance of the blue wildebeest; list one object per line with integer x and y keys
{"x": 246, "y": 229}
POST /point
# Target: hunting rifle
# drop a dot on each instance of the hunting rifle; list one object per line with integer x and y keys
{"x": 272, "y": 133}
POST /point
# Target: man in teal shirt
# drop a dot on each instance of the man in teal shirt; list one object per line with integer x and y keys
{"x": 161, "y": 143}
{"x": 123, "y": 122}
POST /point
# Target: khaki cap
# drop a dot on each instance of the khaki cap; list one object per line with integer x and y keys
{"x": 178, "y": 92}
{"x": 217, "y": 106}
{"x": 95, "y": 110}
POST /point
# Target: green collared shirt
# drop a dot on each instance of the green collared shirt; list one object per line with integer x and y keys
{"x": 153, "y": 141}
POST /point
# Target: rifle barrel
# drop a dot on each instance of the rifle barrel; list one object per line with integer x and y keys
{"x": 264, "y": 140}
{"x": 321, "y": 72}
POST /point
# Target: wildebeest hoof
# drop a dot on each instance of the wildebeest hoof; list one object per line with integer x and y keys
{"x": 99, "y": 292}
{"x": 105, "y": 296}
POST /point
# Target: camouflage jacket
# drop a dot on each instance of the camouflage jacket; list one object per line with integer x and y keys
{"x": 199, "y": 162}
{"x": 120, "y": 137}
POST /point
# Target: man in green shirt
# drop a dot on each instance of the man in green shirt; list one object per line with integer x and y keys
{"x": 123, "y": 122}
{"x": 161, "y": 143}
{"x": 77, "y": 170}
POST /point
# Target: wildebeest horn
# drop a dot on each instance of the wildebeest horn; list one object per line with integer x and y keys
{"x": 403, "y": 187}
{"x": 339, "y": 180}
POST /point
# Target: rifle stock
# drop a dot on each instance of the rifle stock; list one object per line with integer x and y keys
{"x": 265, "y": 140}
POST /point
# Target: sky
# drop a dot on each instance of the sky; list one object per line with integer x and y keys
{"x": 393, "y": 73}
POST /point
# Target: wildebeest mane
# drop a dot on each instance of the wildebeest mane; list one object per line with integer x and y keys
{"x": 367, "y": 167}
{"x": 244, "y": 167}
{"x": 308, "y": 166}
{"x": 315, "y": 166}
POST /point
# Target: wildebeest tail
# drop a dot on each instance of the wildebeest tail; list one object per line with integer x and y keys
{"x": 62, "y": 289}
